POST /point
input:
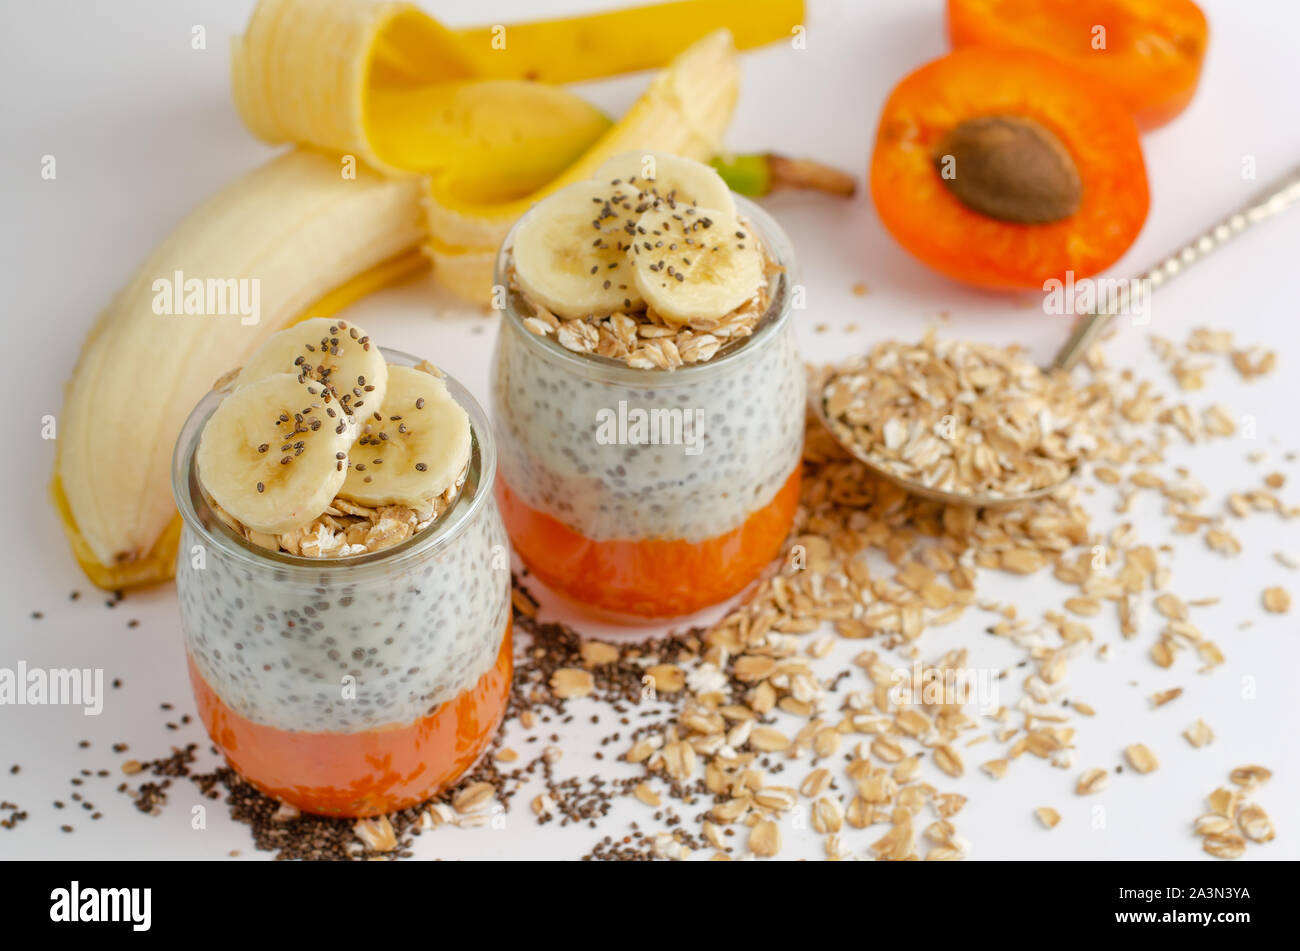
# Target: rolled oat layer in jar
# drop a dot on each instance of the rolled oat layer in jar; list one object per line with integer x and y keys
{"x": 647, "y": 390}
{"x": 344, "y": 575}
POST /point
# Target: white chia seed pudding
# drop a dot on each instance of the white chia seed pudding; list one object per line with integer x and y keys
{"x": 554, "y": 410}
{"x": 275, "y": 635}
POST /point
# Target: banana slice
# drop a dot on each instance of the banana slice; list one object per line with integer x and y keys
{"x": 670, "y": 178}
{"x": 273, "y": 453}
{"x": 570, "y": 254}
{"x": 333, "y": 352}
{"x": 417, "y": 447}
{"x": 695, "y": 263}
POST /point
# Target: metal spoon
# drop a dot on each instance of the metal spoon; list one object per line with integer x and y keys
{"x": 1274, "y": 199}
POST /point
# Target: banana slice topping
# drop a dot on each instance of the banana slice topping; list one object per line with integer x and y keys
{"x": 333, "y": 353}
{"x": 695, "y": 263}
{"x": 317, "y": 416}
{"x": 650, "y": 232}
{"x": 571, "y": 252}
{"x": 412, "y": 449}
{"x": 274, "y": 454}
{"x": 674, "y": 181}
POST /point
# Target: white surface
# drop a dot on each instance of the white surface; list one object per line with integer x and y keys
{"x": 143, "y": 128}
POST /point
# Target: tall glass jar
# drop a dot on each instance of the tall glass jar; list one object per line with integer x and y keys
{"x": 622, "y": 522}
{"x": 349, "y": 686}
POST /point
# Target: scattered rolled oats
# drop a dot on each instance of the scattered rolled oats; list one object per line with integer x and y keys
{"x": 997, "y": 768}
{"x": 1233, "y": 820}
{"x": 599, "y": 653}
{"x": 1092, "y": 781}
{"x": 668, "y": 678}
{"x": 1250, "y": 776}
{"x": 1224, "y": 801}
{"x": 1199, "y": 734}
{"x": 1165, "y": 696}
{"x": 933, "y": 558}
{"x": 768, "y": 740}
{"x": 377, "y": 834}
{"x": 1276, "y": 600}
{"x": 1226, "y": 846}
{"x": 1172, "y": 607}
{"x": 827, "y": 815}
{"x": 472, "y": 797}
{"x": 1211, "y": 824}
{"x": 1141, "y": 758}
{"x": 570, "y": 682}
{"x": 1255, "y": 823}
{"x": 949, "y": 760}
{"x": 1048, "y": 816}
{"x": 765, "y": 838}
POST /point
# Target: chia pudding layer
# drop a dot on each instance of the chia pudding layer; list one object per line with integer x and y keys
{"x": 555, "y": 411}
{"x": 281, "y": 638}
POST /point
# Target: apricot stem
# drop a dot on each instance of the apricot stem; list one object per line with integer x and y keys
{"x": 759, "y": 174}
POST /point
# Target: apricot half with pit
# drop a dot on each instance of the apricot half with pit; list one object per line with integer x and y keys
{"x": 1008, "y": 169}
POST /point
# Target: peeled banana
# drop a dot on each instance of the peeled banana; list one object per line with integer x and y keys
{"x": 313, "y": 241}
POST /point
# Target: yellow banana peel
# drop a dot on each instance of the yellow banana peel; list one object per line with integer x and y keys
{"x": 685, "y": 111}
{"x": 390, "y": 85}
{"x": 621, "y": 41}
{"x": 401, "y": 100}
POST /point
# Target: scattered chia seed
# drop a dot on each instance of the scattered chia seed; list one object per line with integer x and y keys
{"x": 572, "y": 800}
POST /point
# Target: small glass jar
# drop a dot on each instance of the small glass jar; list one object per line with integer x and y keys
{"x": 349, "y": 686}
{"x": 614, "y": 514}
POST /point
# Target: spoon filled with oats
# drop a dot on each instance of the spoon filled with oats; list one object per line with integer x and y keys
{"x": 976, "y": 424}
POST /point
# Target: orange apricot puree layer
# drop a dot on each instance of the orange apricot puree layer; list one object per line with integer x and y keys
{"x": 651, "y": 578}
{"x": 368, "y": 773}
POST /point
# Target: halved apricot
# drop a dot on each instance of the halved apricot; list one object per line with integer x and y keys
{"x": 1148, "y": 52}
{"x": 1007, "y": 169}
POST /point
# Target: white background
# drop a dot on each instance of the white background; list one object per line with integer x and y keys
{"x": 143, "y": 129}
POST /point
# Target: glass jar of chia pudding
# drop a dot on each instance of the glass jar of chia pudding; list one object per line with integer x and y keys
{"x": 650, "y": 492}
{"x": 358, "y": 685}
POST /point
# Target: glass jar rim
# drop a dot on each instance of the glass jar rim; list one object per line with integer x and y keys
{"x": 473, "y": 495}
{"x": 609, "y": 370}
